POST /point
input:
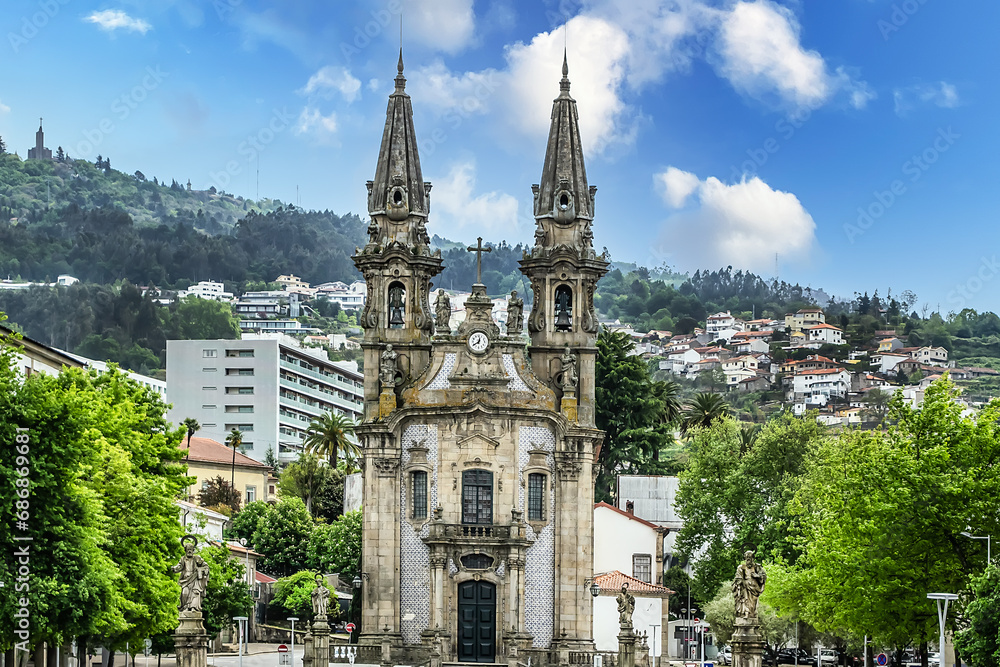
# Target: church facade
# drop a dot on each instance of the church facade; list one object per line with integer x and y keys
{"x": 478, "y": 448}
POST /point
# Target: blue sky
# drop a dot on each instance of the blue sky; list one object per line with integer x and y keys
{"x": 854, "y": 139}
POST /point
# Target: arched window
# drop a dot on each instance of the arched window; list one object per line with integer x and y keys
{"x": 397, "y": 305}
{"x": 477, "y": 497}
{"x": 564, "y": 308}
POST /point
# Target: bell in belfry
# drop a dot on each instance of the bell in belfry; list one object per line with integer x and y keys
{"x": 396, "y": 306}
{"x": 564, "y": 317}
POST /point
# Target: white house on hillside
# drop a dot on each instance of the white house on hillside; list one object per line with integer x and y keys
{"x": 825, "y": 333}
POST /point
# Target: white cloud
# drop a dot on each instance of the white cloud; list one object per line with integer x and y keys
{"x": 435, "y": 86}
{"x": 444, "y": 25}
{"x": 4, "y": 108}
{"x": 314, "y": 122}
{"x": 676, "y": 185}
{"x": 456, "y": 207}
{"x": 114, "y": 19}
{"x": 941, "y": 94}
{"x": 373, "y": 84}
{"x": 743, "y": 224}
{"x": 330, "y": 79}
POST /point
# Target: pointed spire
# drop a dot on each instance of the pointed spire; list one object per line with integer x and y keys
{"x": 398, "y": 188}
{"x": 563, "y": 191}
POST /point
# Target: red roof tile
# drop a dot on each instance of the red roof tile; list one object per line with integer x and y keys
{"x": 612, "y": 582}
{"x": 211, "y": 451}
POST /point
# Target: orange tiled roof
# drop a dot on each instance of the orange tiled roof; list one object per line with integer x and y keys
{"x": 611, "y": 583}
{"x": 211, "y": 451}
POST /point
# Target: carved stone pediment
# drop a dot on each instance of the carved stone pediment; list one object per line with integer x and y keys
{"x": 478, "y": 440}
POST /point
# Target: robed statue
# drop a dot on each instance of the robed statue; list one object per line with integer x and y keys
{"x": 442, "y": 311}
{"x": 320, "y": 597}
{"x": 194, "y": 575}
{"x": 388, "y": 367}
{"x": 515, "y": 314}
{"x": 748, "y": 584}
{"x": 569, "y": 376}
{"x": 626, "y": 605}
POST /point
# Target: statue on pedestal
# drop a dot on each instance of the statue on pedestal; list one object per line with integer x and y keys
{"x": 194, "y": 575}
{"x": 626, "y": 605}
{"x": 748, "y": 584}
{"x": 320, "y": 597}
{"x": 515, "y": 314}
{"x": 569, "y": 376}
{"x": 442, "y": 311}
{"x": 388, "y": 367}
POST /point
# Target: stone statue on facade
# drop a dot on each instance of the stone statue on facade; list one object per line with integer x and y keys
{"x": 442, "y": 312}
{"x": 320, "y": 597}
{"x": 515, "y": 314}
{"x": 423, "y": 238}
{"x": 748, "y": 584}
{"x": 194, "y": 575}
{"x": 626, "y": 605}
{"x": 388, "y": 367}
{"x": 569, "y": 376}
{"x": 540, "y": 236}
{"x": 373, "y": 231}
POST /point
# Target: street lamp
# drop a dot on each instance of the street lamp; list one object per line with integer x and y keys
{"x": 293, "y": 619}
{"x": 989, "y": 554}
{"x": 240, "y": 620}
{"x": 942, "y": 615}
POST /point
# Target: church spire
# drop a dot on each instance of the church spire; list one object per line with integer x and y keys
{"x": 398, "y": 190}
{"x": 563, "y": 192}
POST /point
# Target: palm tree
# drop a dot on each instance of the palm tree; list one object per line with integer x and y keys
{"x": 705, "y": 408}
{"x": 668, "y": 394}
{"x": 192, "y": 426}
{"x": 234, "y": 440}
{"x": 748, "y": 436}
{"x": 327, "y": 435}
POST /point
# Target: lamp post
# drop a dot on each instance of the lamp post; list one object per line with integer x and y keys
{"x": 656, "y": 662}
{"x": 942, "y": 610}
{"x": 293, "y": 619}
{"x": 989, "y": 554}
{"x": 246, "y": 551}
{"x": 240, "y": 620}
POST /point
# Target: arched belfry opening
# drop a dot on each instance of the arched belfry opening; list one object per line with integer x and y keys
{"x": 397, "y": 305}
{"x": 564, "y": 308}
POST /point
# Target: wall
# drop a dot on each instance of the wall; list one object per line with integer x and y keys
{"x": 616, "y": 538}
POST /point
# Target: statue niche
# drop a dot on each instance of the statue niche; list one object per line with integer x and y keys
{"x": 564, "y": 308}
{"x": 397, "y": 305}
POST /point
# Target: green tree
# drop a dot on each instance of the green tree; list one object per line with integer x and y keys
{"x": 294, "y": 593}
{"x": 734, "y": 494}
{"x": 336, "y": 547}
{"x": 220, "y": 496}
{"x": 247, "y": 524}
{"x": 227, "y": 593}
{"x": 198, "y": 319}
{"x": 330, "y": 434}
{"x": 304, "y": 478}
{"x": 234, "y": 440}
{"x": 878, "y": 517}
{"x": 630, "y": 410}
{"x": 283, "y": 538}
{"x": 191, "y": 426}
{"x": 979, "y": 643}
{"x": 876, "y": 402}
{"x": 703, "y": 409}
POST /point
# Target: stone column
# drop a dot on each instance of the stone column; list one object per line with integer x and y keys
{"x": 307, "y": 651}
{"x": 747, "y": 643}
{"x": 320, "y": 641}
{"x": 626, "y": 646}
{"x": 191, "y": 640}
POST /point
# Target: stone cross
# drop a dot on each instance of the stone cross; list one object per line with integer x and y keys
{"x": 479, "y": 250}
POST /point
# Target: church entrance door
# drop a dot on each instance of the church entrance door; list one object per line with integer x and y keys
{"x": 477, "y": 621}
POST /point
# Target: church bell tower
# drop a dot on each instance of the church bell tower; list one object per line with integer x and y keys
{"x": 563, "y": 267}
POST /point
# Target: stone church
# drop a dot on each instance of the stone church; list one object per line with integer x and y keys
{"x": 478, "y": 445}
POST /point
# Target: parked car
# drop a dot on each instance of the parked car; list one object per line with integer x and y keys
{"x": 829, "y": 656}
{"x": 725, "y": 656}
{"x": 787, "y": 656}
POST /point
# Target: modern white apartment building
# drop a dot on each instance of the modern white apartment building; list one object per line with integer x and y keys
{"x": 267, "y": 386}
{"x": 207, "y": 289}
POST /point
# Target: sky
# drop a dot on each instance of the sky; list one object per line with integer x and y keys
{"x": 849, "y": 145}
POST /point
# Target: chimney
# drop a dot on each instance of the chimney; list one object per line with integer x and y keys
{"x": 629, "y": 507}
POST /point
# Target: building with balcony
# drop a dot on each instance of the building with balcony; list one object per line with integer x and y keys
{"x": 267, "y": 386}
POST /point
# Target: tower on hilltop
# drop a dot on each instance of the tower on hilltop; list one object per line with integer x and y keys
{"x": 39, "y": 152}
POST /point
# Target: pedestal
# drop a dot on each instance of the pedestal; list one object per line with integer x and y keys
{"x": 568, "y": 405}
{"x": 747, "y": 643}
{"x": 307, "y": 651}
{"x": 191, "y": 640}
{"x": 626, "y": 646}
{"x": 320, "y": 641}
{"x": 386, "y": 403}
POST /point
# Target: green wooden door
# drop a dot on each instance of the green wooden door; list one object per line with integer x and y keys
{"x": 477, "y": 621}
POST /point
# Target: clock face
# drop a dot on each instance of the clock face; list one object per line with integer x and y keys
{"x": 478, "y": 342}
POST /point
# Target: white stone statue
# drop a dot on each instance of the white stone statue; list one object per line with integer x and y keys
{"x": 320, "y": 597}
{"x": 194, "y": 575}
{"x": 748, "y": 584}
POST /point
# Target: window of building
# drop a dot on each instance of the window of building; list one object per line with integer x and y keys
{"x": 208, "y": 407}
{"x": 239, "y": 390}
{"x": 477, "y": 497}
{"x": 239, "y": 353}
{"x": 209, "y": 370}
{"x": 209, "y": 354}
{"x": 239, "y": 408}
{"x": 536, "y": 497}
{"x": 239, "y": 371}
{"x": 642, "y": 567}
{"x": 419, "y": 488}
{"x": 209, "y": 388}
{"x": 242, "y": 428}
{"x": 251, "y": 493}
